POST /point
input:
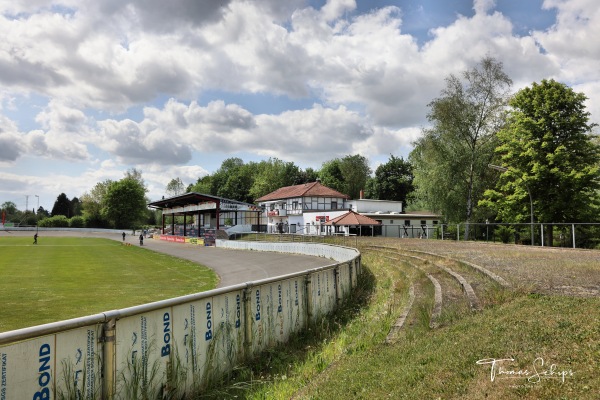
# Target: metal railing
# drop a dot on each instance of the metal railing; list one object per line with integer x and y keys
{"x": 572, "y": 235}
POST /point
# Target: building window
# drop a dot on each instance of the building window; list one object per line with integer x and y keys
{"x": 423, "y": 222}
{"x": 435, "y": 222}
{"x": 294, "y": 205}
{"x": 391, "y": 221}
{"x": 334, "y": 205}
{"x": 407, "y": 222}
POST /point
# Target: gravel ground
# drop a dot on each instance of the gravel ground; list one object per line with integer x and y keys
{"x": 573, "y": 272}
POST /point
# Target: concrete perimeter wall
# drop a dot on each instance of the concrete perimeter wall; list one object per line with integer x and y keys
{"x": 174, "y": 346}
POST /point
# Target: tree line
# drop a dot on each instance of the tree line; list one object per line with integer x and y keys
{"x": 488, "y": 155}
{"x": 118, "y": 204}
{"x": 122, "y": 204}
{"x": 492, "y": 155}
{"x": 349, "y": 175}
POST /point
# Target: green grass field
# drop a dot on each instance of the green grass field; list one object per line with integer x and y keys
{"x": 63, "y": 278}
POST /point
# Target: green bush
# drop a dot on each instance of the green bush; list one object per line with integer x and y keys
{"x": 96, "y": 221}
{"x": 77, "y": 222}
{"x": 57, "y": 221}
{"x": 449, "y": 231}
{"x": 587, "y": 236}
{"x": 505, "y": 233}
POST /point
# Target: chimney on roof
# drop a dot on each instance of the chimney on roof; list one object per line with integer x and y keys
{"x": 362, "y": 194}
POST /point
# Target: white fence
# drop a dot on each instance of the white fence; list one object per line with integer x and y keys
{"x": 174, "y": 346}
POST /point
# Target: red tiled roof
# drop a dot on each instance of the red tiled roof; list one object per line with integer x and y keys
{"x": 352, "y": 218}
{"x": 314, "y": 189}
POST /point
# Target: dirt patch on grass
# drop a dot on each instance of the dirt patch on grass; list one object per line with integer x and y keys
{"x": 573, "y": 272}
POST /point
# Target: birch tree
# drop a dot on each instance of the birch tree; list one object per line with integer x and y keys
{"x": 450, "y": 159}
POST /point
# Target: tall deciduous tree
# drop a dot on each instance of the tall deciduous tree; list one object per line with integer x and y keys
{"x": 393, "y": 181}
{"x": 273, "y": 174}
{"x": 331, "y": 176}
{"x": 9, "y": 207}
{"x": 10, "y": 211}
{"x": 125, "y": 203}
{"x": 136, "y": 175}
{"x": 308, "y": 175}
{"x": 347, "y": 175}
{"x": 93, "y": 205}
{"x": 247, "y": 181}
{"x": 233, "y": 180}
{"x": 175, "y": 187}
{"x": 203, "y": 185}
{"x": 355, "y": 170}
{"x": 547, "y": 148}
{"x": 450, "y": 159}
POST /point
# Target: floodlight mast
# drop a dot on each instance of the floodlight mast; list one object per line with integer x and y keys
{"x": 504, "y": 169}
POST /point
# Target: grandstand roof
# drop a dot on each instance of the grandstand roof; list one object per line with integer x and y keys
{"x": 193, "y": 198}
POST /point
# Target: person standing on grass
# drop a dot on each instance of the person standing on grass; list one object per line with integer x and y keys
{"x": 35, "y": 238}
{"x": 123, "y": 236}
{"x": 141, "y": 239}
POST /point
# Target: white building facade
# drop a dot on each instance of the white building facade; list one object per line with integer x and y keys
{"x": 397, "y": 223}
{"x": 304, "y": 209}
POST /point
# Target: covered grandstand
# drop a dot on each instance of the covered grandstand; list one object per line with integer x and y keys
{"x": 199, "y": 215}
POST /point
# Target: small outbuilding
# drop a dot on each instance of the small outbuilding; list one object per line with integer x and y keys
{"x": 352, "y": 223}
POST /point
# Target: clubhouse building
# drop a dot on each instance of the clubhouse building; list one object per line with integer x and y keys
{"x": 306, "y": 209}
{"x": 315, "y": 209}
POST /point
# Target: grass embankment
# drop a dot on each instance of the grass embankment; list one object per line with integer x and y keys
{"x": 63, "y": 278}
{"x": 546, "y": 345}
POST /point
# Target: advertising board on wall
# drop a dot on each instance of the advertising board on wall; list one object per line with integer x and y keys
{"x": 323, "y": 292}
{"x": 208, "y": 337}
{"x": 188, "y": 344}
{"x": 65, "y": 363}
{"x": 195, "y": 240}
{"x": 278, "y": 309}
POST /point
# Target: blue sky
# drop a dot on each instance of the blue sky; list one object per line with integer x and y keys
{"x": 91, "y": 89}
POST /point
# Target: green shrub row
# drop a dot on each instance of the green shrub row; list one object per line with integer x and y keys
{"x": 60, "y": 221}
